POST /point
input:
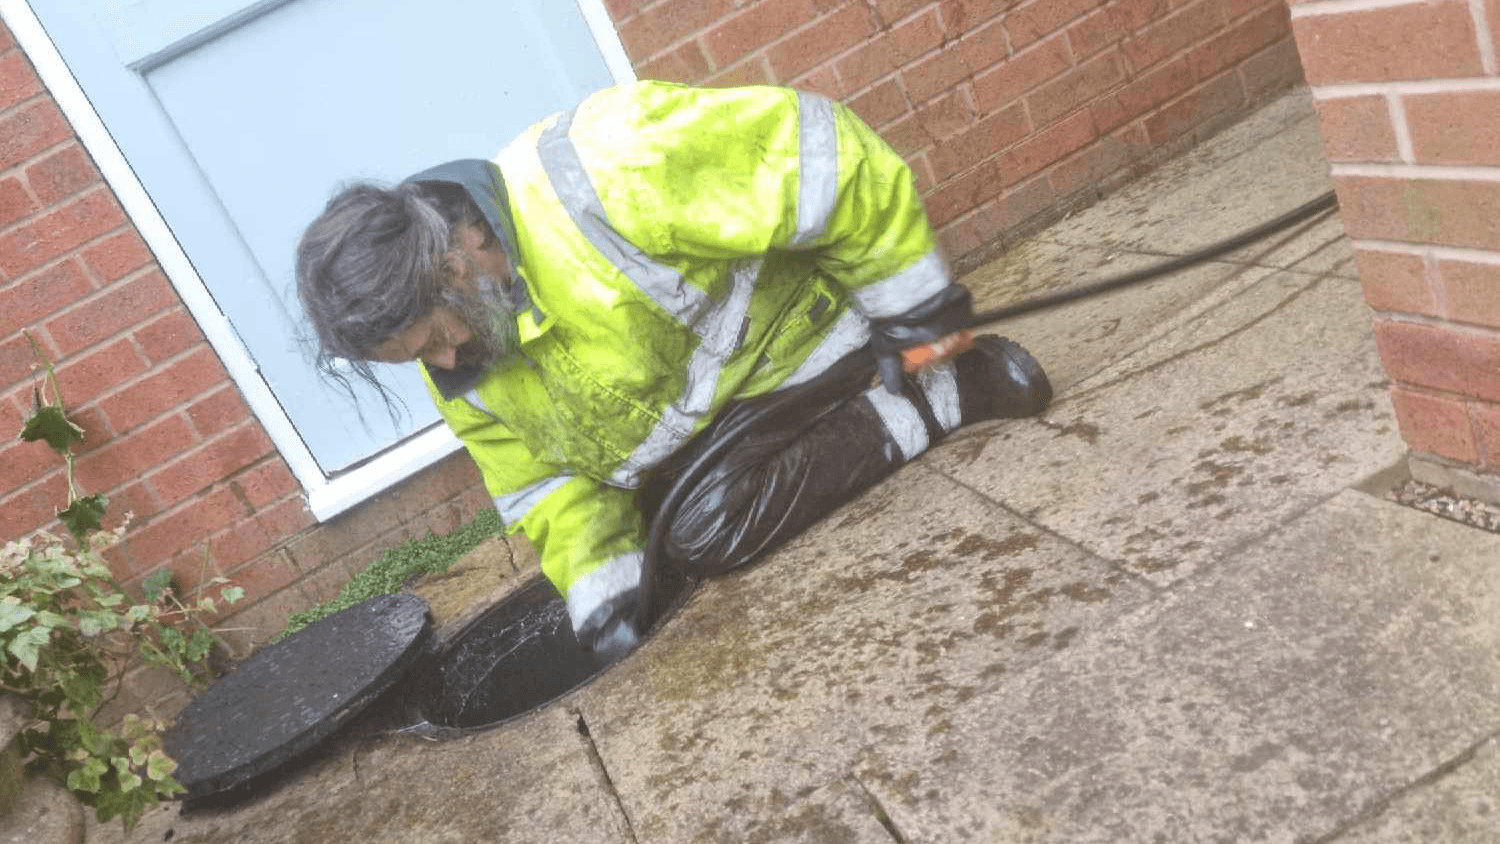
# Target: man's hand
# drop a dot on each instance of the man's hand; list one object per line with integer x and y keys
{"x": 949, "y": 312}
{"x": 614, "y": 629}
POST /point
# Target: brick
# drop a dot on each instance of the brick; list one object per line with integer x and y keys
{"x": 1492, "y": 17}
{"x": 1457, "y": 127}
{"x": 18, "y": 82}
{"x": 6, "y": 40}
{"x": 168, "y": 335}
{"x": 1435, "y": 424}
{"x": 934, "y": 75}
{"x": 96, "y": 429}
{"x": 62, "y": 174}
{"x": 1140, "y": 95}
{"x": 264, "y": 576}
{"x": 1203, "y": 105}
{"x": 847, "y": 26}
{"x": 218, "y": 411}
{"x": 34, "y": 507}
{"x": 1472, "y": 291}
{"x": 1171, "y": 35}
{"x": 754, "y": 71}
{"x": 960, "y": 16}
{"x": 1093, "y": 33}
{"x": 1450, "y": 212}
{"x": 130, "y": 457}
{"x": 757, "y": 26}
{"x": 177, "y": 384}
{"x": 1486, "y": 420}
{"x": 113, "y": 310}
{"x": 117, "y": 256}
{"x": 1049, "y": 145}
{"x": 35, "y": 243}
{"x": 882, "y": 104}
{"x": 159, "y": 538}
{"x": 29, "y": 130}
{"x": 946, "y": 116}
{"x": 983, "y": 48}
{"x": 1375, "y": 45}
{"x": 1242, "y": 41}
{"x": 654, "y": 29}
{"x": 209, "y": 463}
{"x": 1008, "y": 81}
{"x": 264, "y": 483}
{"x": 1135, "y": 15}
{"x": 1074, "y": 89}
{"x": 686, "y": 64}
{"x": 1024, "y": 202}
{"x": 892, "y": 11}
{"x": 22, "y": 462}
{"x": 883, "y": 54}
{"x": 1086, "y": 169}
{"x": 1357, "y": 129}
{"x": 1395, "y": 281}
{"x": 84, "y": 378}
{"x": 35, "y": 297}
{"x": 1444, "y": 358}
{"x": 1275, "y": 69}
{"x": 15, "y": 203}
{"x": 960, "y": 195}
{"x": 987, "y": 137}
{"x": 16, "y": 359}
{"x": 824, "y": 80}
{"x": 621, "y": 9}
{"x": 1040, "y": 18}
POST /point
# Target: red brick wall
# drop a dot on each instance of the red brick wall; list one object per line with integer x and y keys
{"x": 1010, "y": 112}
{"x": 1410, "y": 125}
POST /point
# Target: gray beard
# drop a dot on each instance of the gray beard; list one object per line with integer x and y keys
{"x": 491, "y": 314}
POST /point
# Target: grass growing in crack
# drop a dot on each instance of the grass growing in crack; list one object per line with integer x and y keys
{"x": 428, "y": 555}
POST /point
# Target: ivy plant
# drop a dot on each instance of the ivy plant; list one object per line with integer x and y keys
{"x": 69, "y": 634}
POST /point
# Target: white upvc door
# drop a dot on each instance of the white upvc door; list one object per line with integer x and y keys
{"x": 225, "y": 125}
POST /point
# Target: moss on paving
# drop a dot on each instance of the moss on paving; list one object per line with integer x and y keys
{"x": 428, "y": 555}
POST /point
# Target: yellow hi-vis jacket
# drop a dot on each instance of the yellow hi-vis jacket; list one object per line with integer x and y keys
{"x": 679, "y": 248}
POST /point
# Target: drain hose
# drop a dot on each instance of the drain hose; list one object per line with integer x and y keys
{"x": 692, "y": 474}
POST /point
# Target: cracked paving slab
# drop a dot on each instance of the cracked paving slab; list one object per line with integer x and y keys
{"x": 1202, "y": 440}
{"x": 532, "y": 781}
{"x": 870, "y": 627}
{"x": 1457, "y": 806}
{"x": 1274, "y": 700}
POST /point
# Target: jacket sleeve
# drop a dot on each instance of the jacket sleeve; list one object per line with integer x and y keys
{"x": 589, "y": 535}
{"x": 736, "y": 172}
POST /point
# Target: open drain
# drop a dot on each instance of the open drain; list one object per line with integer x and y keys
{"x": 517, "y": 656}
{"x": 292, "y": 695}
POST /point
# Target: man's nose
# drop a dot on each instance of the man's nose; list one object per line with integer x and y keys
{"x": 442, "y": 358}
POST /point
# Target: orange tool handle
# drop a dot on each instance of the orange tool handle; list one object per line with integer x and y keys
{"x": 937, "y": 351}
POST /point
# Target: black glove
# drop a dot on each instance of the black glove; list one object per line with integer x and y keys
{"x": 614, "y": 628}
{"x": 951, "y": 310}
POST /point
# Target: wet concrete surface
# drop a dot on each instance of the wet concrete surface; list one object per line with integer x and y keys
{"x": 1161, "y": 612}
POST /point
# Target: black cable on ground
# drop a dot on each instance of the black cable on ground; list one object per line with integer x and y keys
{"x": 693, "y": 473}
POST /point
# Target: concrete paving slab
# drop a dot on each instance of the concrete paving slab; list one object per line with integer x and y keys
{"x": 533, "y": 781}
{"x": 871, "y": 626}
{"x": 1230, "y": 425}
{"x": 1457, "y": 804}
{"x": 1277, "y": 699}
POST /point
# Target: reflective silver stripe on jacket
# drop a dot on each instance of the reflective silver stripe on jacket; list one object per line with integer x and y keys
{"x": 571, "y": 182}
{"x": 940, "y": 384}
{"x": 818, "y": 169}
{"x": 514, "y": 506}
{"x": 904, "y": 290}
{"x": 723, "y": 330}
{"x": 901, "y": 420}
{"x": 851, "y": 332}
{"x": 601, "y": 584}
{"x": 474, "y": 399}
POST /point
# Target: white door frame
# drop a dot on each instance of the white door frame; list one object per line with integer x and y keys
{"x": 326, "y": 496}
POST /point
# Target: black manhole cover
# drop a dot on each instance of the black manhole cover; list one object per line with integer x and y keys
{"x": 292, "y": 694}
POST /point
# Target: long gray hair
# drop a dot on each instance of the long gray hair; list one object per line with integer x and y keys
{"x": 372, "y": 264}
